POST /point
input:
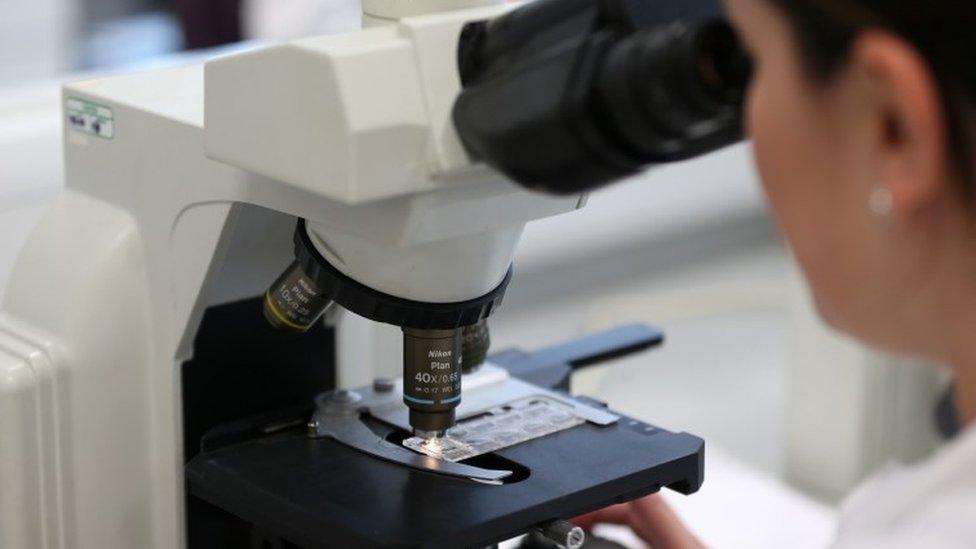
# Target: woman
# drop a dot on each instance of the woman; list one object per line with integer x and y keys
{"x": 862, "y": 117}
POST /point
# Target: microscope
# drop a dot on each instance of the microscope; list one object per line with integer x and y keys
{"x": 165, "y": 384}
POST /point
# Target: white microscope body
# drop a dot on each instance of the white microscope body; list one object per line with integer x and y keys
{"x": 183, "y": 187}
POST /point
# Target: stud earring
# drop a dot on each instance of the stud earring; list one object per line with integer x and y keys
{"x": 881, "y": 202}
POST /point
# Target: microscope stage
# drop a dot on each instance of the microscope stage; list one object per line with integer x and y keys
{"x": 317, "y": 492}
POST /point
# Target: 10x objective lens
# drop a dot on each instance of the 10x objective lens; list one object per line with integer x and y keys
{"x": 294, "y": 302}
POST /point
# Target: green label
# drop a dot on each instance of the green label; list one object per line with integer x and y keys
{"x": 92, "y": 118}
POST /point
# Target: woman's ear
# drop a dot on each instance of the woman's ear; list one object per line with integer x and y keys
{"x": 906, "y": 111}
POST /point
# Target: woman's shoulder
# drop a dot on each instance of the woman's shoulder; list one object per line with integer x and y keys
{"x": 932, "y": 504}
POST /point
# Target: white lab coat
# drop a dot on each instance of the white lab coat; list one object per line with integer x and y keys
{"x": 930, "y": 505}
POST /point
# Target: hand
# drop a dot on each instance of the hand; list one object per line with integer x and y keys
{"x": 650, "y": 518}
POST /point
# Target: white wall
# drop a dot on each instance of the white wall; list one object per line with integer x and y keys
{"x": 36, "y": 39}
{"x": 31, "y": 164}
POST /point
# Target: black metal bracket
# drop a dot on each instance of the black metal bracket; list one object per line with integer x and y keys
{"x": 551, "y": 366}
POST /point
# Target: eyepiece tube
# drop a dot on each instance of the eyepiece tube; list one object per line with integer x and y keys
{"x": 724, "y": 68}
{"x": 674, "y": 92}
{"x": 609, "y": 87}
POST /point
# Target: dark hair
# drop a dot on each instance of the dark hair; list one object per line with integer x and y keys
{"x": 943, "y": 31}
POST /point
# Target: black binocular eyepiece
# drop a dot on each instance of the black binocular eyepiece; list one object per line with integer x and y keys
{"x": 673, "y": 92}
{"x": 567, "y": 95}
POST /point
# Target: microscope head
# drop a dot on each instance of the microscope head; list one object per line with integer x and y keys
{"x": 407, "y": 228}
{"x": 413, "y": 139}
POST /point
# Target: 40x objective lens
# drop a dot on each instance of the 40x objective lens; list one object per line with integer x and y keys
{"x": 431, "y": 378}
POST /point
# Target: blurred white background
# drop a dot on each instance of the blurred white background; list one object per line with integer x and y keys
{"x": 794, "y": 415}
